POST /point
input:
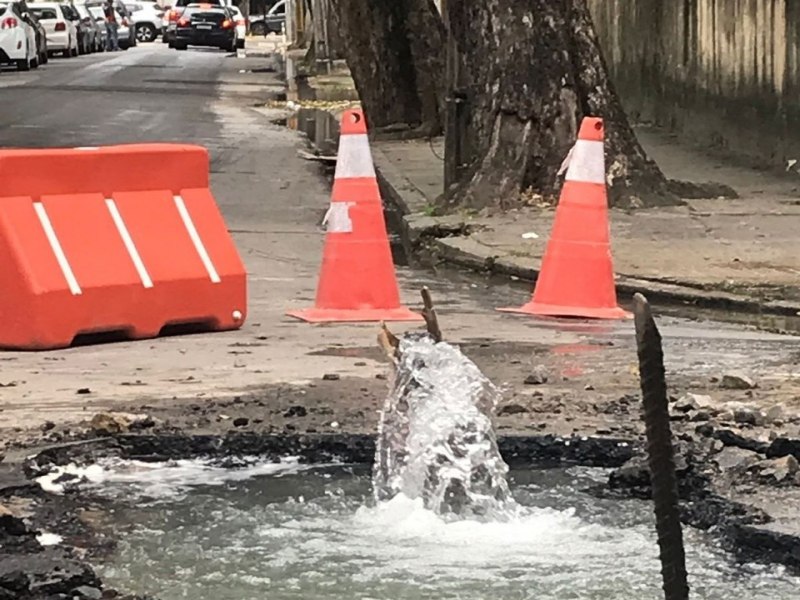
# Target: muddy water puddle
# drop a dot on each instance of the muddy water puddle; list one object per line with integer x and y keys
{"x": 193, "y": 531}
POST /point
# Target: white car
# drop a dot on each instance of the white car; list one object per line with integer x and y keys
{"x": 146, "y": 16}
{"x": 62, "y": 35}
{"x": 241, "y": 26}
{"x": 17, "y": 38}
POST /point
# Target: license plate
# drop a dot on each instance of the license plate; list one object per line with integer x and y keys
{"x": 201, "y": 26}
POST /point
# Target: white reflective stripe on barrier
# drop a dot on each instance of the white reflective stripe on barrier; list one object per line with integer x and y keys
{"x": 337, "y": 219}
{"x": 55, "y": 245}
{"x": 129, "y": 245}
{"x": 198, "y": 243}
{"x": 354, "y": 158}
{"x": 587, "y": 163}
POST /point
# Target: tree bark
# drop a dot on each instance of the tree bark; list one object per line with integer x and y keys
{"x": 395, "y": 51}
{"x": 535, "y": 70}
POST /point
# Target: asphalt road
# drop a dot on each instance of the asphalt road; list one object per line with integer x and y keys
{"x": 272, "y": 201}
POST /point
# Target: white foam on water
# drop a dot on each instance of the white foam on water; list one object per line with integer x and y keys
{"x": 258, "y": 540}
{"x": 70, "y": 473}
{"x": 166, "y": 479}
{"x": 49, "y": 539}
{"x": 401, "y": 536}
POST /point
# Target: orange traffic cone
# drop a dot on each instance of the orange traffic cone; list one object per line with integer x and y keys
{"x": 357, "y": 280}
{"x": 577, "y": 274}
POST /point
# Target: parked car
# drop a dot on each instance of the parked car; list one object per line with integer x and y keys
{"x": 204, "y": 25}
{"x": 174, "y": 12}
{"x": 62, "y": 35}
{"x": 273, "y": 22}
{"x": 126, "y": 33}
{"x": 39, "y": 30}
{"x": 146, "y": 17}
{"x": 100, "y": 20}
{"x": 241, "y": 26}
{"x": 84, "y": 30}
{"x": 97, "y": 28}
{"x": 17, "y": 38}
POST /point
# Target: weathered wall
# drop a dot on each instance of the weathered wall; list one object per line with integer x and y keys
{"x": 720, "y": 71}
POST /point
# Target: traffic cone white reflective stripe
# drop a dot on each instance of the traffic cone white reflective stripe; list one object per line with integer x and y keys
{"x": 587, "y": 162}
{"x": 337, "y": 219}
{"x": 354, "y": 157}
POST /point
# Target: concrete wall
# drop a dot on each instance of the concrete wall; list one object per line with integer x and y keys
{"x": 719, "y": 71}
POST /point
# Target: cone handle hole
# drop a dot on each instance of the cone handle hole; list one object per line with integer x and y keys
{"x": 355, "y": 117}
{"x": 598, "y": 125}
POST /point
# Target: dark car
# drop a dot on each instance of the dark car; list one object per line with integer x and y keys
{"x": 41, "y": 34}
{"x": 204, "y": 25}
{"x": 176, "y": 11}
{"x": 272, "y": 22}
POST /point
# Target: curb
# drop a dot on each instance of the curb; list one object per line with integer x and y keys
{"x": 433, "y": 240}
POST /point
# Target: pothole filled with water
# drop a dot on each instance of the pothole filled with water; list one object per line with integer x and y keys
{"x": 187, "y": 529}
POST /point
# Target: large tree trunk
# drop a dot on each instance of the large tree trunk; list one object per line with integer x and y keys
{"x": 534, "y": 69}
{"x": 395, "y": 51}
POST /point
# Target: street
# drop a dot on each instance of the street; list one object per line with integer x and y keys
{"x": 273, "y": 202}
{"x": 733, "y": 388}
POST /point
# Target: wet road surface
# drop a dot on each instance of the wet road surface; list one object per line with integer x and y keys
{"x": 273, "y": 201}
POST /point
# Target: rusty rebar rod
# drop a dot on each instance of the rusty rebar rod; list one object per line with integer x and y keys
{"x": 660, "y": 453}
{"x": 429, "y": 314}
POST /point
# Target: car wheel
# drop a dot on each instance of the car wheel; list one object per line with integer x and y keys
{"x": 23, "y": 65}
{"x": 181, "y": 46}
{"x": 35, "y": 62}
{"x": 258, "y": 28}
{"x": 145, "y": 32}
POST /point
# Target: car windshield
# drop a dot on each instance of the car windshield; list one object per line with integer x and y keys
{"x": 82, "y": 11}
{"x": 43, "y": 14}
{"x": 97, "y": 12}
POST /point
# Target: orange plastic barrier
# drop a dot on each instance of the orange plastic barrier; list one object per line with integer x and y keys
{"x": 116, "y": 239}
{"x": 577, "y": 274}
{"x": 357, "y": 280}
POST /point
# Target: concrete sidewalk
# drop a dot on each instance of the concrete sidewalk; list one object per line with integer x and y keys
{"x": 739, "y": 254}
{"x": 736, "y": 255}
